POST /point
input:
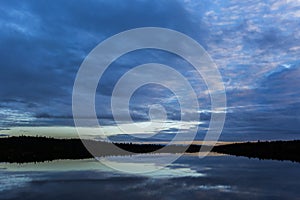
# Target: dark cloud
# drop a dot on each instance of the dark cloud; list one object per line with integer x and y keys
{"x": 256, "y": 47}
{"x": 44, "y": 42}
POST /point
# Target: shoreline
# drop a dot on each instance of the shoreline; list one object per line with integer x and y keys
{"x": 26, "y": 149}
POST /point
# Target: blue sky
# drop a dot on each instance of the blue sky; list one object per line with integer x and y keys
{"x": 255, "y": 44}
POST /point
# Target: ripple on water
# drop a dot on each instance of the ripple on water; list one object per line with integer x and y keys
{"x": 11, "y": 181}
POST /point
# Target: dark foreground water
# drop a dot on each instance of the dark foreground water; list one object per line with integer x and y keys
{"x": 214, "y": 177}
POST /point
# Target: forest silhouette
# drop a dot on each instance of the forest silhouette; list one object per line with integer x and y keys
{"x": 24, "y": 149}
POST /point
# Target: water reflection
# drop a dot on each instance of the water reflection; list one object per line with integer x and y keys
{"x": 213, "y": 177}
{"x": 125, "y": 162}
{"x": 12, "y": 181}
{"x": 146, "y": 166}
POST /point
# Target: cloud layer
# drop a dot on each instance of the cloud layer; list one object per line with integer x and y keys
{"x": 255, "y": 45}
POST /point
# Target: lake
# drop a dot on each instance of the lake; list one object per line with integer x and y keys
{"x": 189, "y": 177}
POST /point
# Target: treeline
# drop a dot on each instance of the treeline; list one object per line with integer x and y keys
{"x": 275, "y": 150}
{"x": 37, "y": 149}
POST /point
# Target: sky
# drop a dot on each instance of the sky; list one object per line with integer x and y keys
{"x": 255, "y": 44}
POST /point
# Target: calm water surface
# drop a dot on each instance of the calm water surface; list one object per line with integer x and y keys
{"x": 214, "y": 177}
